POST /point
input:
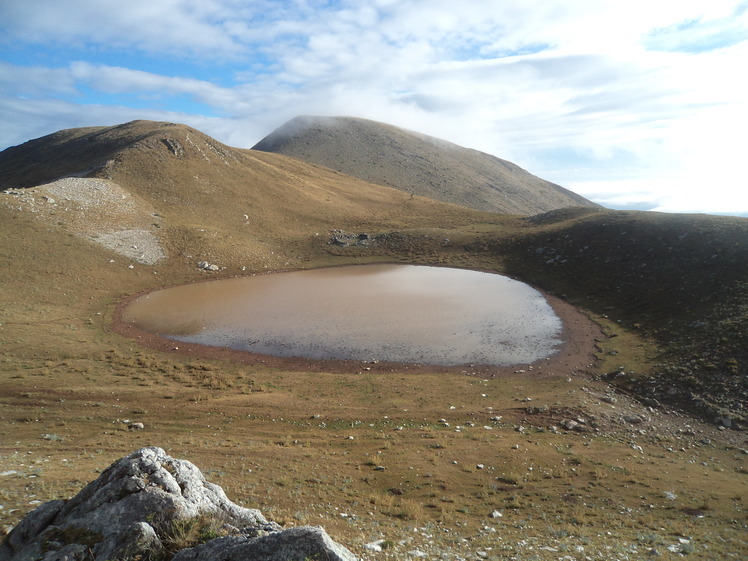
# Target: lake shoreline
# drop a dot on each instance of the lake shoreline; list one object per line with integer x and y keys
{"x": 579, "y": 335}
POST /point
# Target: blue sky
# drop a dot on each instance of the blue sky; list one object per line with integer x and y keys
{"x": 633, "y": 104}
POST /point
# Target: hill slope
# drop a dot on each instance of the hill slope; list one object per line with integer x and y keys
{"x": 677, "y": 279}
{"x": 168, "y": 195}
{"x": 417, "y": 164}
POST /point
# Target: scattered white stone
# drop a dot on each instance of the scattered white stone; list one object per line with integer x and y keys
{"x": 205, "y": 266}
{"x": 479, "y": 466}
{"x": 569, "y": 424}
{"x": 375, "y": 546}
{"x": 496, "y": 514}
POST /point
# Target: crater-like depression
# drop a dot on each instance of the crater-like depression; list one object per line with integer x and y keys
{"x": 401, "y": 313}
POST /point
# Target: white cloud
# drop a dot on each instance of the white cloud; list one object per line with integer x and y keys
{"x": 164, "y": 27}
{"x": 34, "y": 80}
{"x": 110, "y": 79}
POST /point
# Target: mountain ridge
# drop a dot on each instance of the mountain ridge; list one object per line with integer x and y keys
{"x": 201, "y": 185}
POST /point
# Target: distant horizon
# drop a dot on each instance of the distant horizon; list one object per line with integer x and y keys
{"x": 633, "y": 106}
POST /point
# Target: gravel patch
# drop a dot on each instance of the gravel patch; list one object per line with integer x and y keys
{"x": 96, "y": 209}
{"x": 139, "y": 245}
{"x": 89, "y": 192}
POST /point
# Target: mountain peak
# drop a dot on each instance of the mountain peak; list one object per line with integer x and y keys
{"x": 418, "y": 164}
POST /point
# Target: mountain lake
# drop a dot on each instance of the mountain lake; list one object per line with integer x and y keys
{"x": 400, "y": 313}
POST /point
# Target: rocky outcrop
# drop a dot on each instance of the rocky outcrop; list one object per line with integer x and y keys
{"x": 295, "y": 544}
{"x": 150, "y": 505}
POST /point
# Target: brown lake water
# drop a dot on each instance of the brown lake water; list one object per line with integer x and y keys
{"x": 401, "y": 313}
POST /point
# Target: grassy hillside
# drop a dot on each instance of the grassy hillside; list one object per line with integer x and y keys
{"x": 306, "y": 444}
{"x": 677, "y": 280}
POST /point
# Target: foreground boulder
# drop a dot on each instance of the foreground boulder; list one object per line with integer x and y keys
{"x": 149, "y": 505}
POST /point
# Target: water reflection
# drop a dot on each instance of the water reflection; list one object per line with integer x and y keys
{"x": 403, "y": 313}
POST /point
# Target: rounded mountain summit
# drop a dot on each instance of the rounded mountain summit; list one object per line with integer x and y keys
{"x": 418, "y": 164}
